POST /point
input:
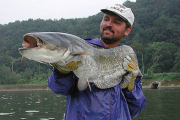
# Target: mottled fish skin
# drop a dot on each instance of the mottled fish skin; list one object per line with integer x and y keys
{"x": 105, "y": 71}
{"x": 101, "y": 66}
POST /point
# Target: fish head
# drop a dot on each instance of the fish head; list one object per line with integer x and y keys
{"x": 37, "y": 49}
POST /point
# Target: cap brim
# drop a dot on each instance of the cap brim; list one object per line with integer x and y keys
{"x": 107, "y": 10}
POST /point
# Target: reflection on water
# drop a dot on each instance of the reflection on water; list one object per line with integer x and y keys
{"x": 32, "y": 105}
{"x": 162, "y": 104}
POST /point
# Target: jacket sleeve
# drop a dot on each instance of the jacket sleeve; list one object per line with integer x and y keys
{"x": 135, "y": 99}
{"x": 61, "y": 83}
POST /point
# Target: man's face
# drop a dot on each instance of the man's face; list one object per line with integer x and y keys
{"x": 112, "y": 29}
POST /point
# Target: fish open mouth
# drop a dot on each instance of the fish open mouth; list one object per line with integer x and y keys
{"x": 31, "y": 42}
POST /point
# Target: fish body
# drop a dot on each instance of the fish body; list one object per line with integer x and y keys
{"x": 101, "y": 66}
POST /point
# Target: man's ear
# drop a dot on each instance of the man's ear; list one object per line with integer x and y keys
{"x": 128, "y": 30}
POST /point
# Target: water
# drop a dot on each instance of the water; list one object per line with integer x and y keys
{"x": 32, "y": 105}
{"x": 162, "y": 104}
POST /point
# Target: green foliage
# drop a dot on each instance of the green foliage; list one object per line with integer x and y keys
{"x": 176, "y": 66}
{"x": 7, "y": 76}
{"x": 163, "y": 77}
{"x": 161, "y": 56}
{"x": 170, "y": 83}
{"x": 167, "y": 76}
{"x": 154, "y": 37}
{"x": 149, "y": 75}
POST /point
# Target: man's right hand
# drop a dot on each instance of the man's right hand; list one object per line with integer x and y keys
{"x": 67, "y": 68}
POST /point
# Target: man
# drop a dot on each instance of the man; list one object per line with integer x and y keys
{"x": 121, "y": 102}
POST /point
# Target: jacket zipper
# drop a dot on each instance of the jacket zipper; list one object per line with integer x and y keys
{"x": 110, "y": 104}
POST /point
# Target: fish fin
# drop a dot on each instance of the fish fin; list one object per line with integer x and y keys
{"x": 82, "y": 84}
{"x": 61, "y": 63}
{"x": 90, "y": 52}
{"x": 89, "y": 85}
{"x": 79, "y": 53}
{"x": 43, "y": 62}
{"x": 87, "y": 52}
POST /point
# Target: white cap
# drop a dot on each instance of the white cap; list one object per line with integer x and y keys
{"x": 122, "y": 11}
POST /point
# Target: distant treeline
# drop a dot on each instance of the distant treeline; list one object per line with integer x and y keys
{"x": 155, "y": 37}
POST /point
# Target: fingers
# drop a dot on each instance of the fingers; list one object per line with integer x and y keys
{"x": 60, "y": 69}
{"x": 129, "y": 82}
{"x": 72, "y": 58}
{"x": 124, "y": 85}
{"x": 129, "y": 64}
{"x": 127, "y": 79}
{"x": 72, "y": 65}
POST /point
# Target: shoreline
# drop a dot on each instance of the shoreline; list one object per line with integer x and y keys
{"x": 45, "y": 87}
{"x": 171, "y": 86}
{"x": 24, "y": 87}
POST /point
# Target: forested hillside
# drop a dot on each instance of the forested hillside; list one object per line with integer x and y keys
{"x": 155, "y": 37}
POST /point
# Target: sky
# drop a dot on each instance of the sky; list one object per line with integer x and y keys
{"x": 13, "y": 10}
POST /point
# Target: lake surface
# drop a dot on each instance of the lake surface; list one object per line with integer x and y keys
{"x": 32, "y": 105}
{"x": 162, "y": 104}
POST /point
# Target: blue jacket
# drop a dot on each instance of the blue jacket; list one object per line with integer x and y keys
{"x": 98, "y": 104}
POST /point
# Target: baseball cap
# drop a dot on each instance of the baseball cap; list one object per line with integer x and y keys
{"x": 122, "y": 11}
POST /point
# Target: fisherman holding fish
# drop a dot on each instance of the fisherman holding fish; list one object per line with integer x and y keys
{"x": 100, "y": 84}
{"x": 115, "y": 103}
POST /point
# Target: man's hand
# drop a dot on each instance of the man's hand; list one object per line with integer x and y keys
{"x": 70, "y": 65}
{"x": 130, "y": 66}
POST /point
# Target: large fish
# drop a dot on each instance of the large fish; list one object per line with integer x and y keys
{"x": 101, "y": 66}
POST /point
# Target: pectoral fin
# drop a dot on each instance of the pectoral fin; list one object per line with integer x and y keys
{"x": 87, "y": 52}
{"x": 83, "y": 83}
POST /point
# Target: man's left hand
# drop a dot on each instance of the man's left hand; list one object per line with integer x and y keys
{"x": 130, "y": 66}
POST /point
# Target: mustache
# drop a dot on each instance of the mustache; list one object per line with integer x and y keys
{"x": 108, "y": 28}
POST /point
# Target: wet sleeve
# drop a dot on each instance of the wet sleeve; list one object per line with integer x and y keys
{"x": 135, "y": 99}
{"x": 61, "y": 83}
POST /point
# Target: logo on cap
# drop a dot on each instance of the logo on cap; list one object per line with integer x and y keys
{"x": 119, "y": 8}
{"x": 116, "y": 8}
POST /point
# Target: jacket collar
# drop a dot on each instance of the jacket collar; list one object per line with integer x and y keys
{"x": 96, "y": 42}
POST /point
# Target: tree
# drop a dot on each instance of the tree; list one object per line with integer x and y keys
{"x": 176, "y": 67}
{"x": 7, "y": 76}
{"x": 161, "y": 56}
{"x": 154, "y": 34}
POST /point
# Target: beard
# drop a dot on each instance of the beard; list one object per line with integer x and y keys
{"x": 106, "y": 39}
